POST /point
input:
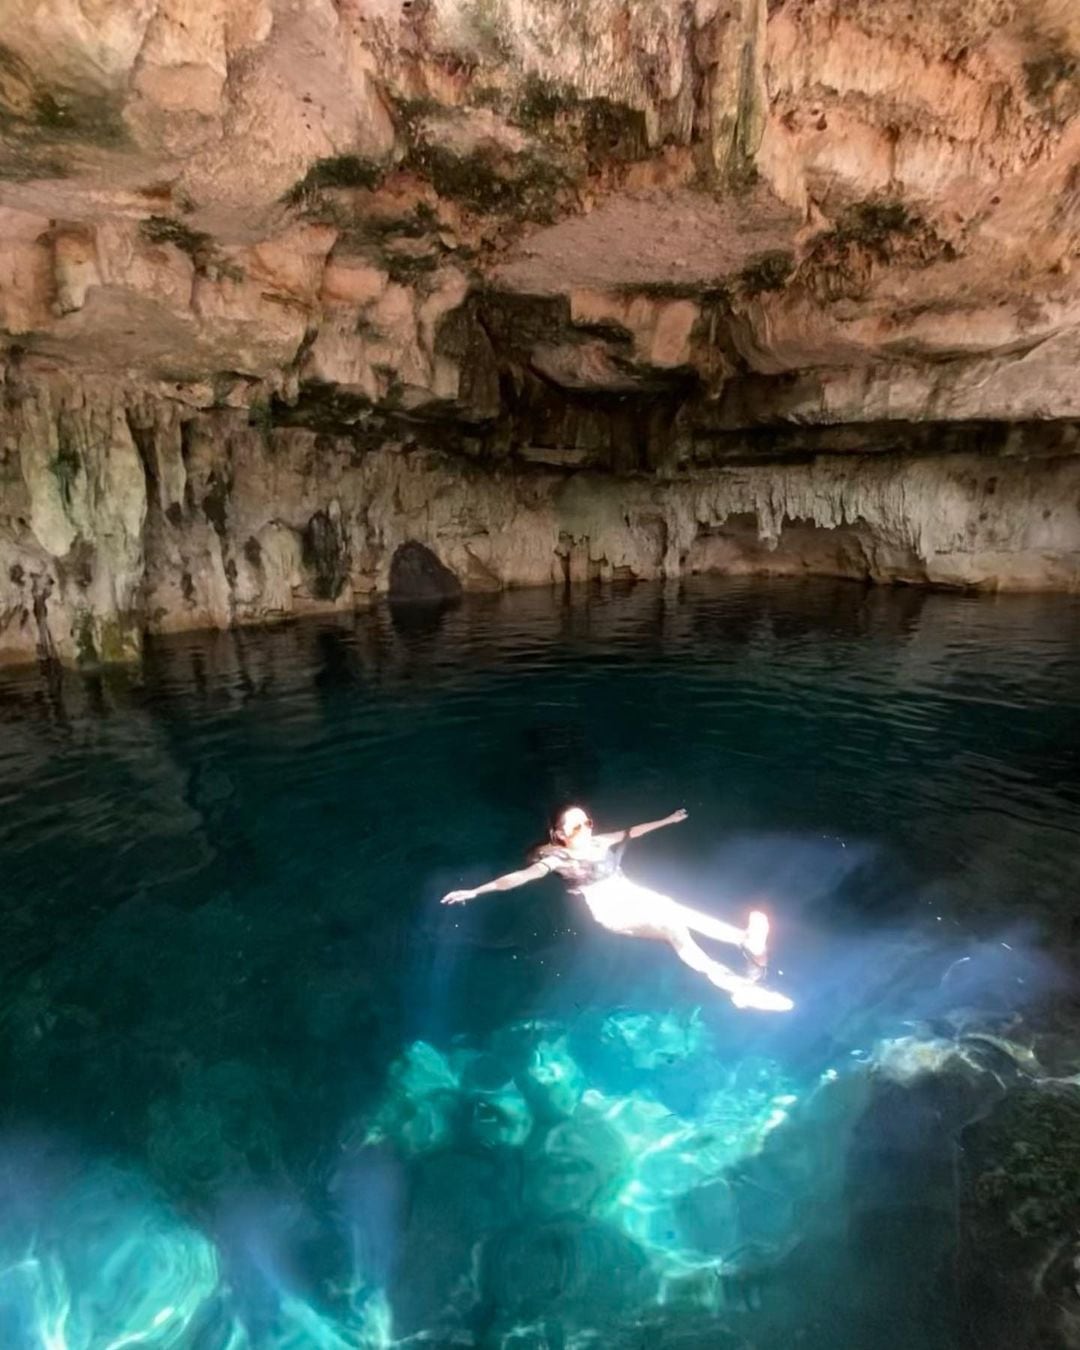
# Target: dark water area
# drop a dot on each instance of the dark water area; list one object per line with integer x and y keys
{"x": 259, "y": 1089}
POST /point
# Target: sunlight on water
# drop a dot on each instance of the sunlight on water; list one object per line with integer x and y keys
{"x": 103, "y": 1263}
{"x": 628, "y": 1160}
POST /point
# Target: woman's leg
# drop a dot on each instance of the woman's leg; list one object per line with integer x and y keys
{"x": 744, "y": 993}
{"x": 638, "y": 911}
{"x": 754, "y": 935}
{"x": 688, "y": 951}
{"x": 752, "y": 940}
{"x": 626, "y": 907}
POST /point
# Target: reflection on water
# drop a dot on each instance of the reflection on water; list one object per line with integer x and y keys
{"x": 258, "y": 1089}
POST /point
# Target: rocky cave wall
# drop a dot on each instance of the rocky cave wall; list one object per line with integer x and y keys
{"x": 128, "y": 517}
{"x": 558, "y": 291}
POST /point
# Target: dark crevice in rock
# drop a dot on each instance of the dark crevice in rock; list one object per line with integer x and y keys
{"x": 418, "y": 576}
{"x": 326, "y": 553}
{"x": 41, "y": 589}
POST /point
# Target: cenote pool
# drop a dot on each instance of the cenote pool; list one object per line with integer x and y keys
{"x": 258, "y": 1089}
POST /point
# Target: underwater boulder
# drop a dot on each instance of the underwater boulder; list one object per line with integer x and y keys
{"x": 1019, "y": 1221}
{"x": 574, "y": 1272}
{"x": 707, "y": 1219}
{"x": 551, "y": 1080}
{"x": 578, "y": 1164}
{"x": 421, "y": 1102}
{"x": 649, "y": 1041}
{"x": 499, "y": 1118}
{"x": 455, "y": 1201}
{"x": 494, "y": 1111}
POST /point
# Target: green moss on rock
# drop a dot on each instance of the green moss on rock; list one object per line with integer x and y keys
{"x": 83, "y": 633}
{"x": 707, "y": 289}
{"x": 325, "y": 407}
{"x": 1053, "y": 85}
{"x": 32, "y": 108}
{"x": 410, "y": 113}
{"x": 65, "y": 466}
{"x": 877, "y": 225}
{"x": 168, "y": 230}
{"x": 406, "y": 269}
{"x": 216, "y": 503}
{"x": 1032, "y": 1143}
{"x": 488, "y": 96}
{"x": 41, "y": 124}
{"x": 111, "y": 640}
{"x": 521, "y": 187}
{"x": 198, "y": 246}
{"x": 540, "y": 102}
{"x": 1046, "y": 72}
{"x": 25, "y": 166}
{"x": 768, "y": 272}
{"x": 337, "y": 171}
{"x": 260, "y": 416}
{"x": 118, "y": 640}
{"x": 613, "y": 132}
{"x": 610, "y": 132}
{"x": 880, "y": 231}
{"x": 92, "y": 118}
{"x": 872, "y": 222}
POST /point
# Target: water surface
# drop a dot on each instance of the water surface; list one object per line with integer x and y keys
{"x": 257, "y": 1088}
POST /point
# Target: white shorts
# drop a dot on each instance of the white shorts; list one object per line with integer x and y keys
{"x": 625, "y": 907}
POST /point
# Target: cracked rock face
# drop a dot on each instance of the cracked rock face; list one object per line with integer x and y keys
{"x": 544, "y": 286}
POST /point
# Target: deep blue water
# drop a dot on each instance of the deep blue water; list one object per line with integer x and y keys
{"x": 258, "y": 1089}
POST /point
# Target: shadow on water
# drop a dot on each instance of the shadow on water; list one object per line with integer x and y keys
{"x": 257, "y": 1088}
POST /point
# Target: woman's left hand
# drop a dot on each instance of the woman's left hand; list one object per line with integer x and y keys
{"x": 458, "y": 897}
{"x": 678, "y": 815}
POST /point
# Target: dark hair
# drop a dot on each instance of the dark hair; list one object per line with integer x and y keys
{"x": 554, "y": 839}
{"x": 555, "y": 827}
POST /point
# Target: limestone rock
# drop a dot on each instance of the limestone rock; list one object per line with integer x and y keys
{"x": 122, "y": 516}
{"x": 886, "y": 209}
{"x": 417, "y": 574}
{"x": 559, "y": 292}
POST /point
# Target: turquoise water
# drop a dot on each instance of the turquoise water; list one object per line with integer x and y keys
{"x": 258, "y": 1089}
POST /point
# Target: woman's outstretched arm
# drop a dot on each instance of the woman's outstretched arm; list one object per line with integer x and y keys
{"x": 636, "y": 831}
{"x": 503, "y": 883}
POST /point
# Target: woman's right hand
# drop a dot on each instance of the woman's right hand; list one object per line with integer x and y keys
{"x": 458, "y": 897}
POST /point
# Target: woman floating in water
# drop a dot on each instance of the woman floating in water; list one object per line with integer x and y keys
{"x": 591, "y": 865}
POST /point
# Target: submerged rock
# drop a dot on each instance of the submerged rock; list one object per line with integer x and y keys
{"x": 572, "y": 1273}
{"x": 1019, "y": 1217}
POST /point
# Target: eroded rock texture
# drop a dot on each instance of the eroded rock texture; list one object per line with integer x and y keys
{"x": 553, "y": 289}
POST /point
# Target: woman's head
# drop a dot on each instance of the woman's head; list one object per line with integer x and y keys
{"x": 571, "y": 825}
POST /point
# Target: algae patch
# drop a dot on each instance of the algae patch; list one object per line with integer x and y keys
{"x": 198, "y": 246}
{"x": 338, "y": 171}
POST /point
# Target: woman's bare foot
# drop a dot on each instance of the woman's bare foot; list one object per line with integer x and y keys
{"x": 762, "y": 1000}
{"x": 757, "y": 934}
